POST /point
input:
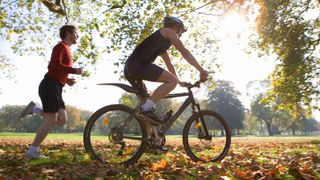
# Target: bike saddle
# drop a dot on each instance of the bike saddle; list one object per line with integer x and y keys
{"x": 122, "y": 86}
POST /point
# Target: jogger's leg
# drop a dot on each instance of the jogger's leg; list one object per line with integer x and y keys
{"x": 42, "y": 132}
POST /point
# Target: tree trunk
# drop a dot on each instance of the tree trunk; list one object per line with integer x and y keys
{"x": 293, "y": 130}
{"x": 261, "y": 129}
{"x": 269, "y": 129}
{"x": 222, "y": 132}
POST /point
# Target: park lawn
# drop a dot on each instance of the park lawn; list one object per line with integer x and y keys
{"x": 78, "y": 137}
{"x": 249, "y": 157}
{"x": 52, "y": 136}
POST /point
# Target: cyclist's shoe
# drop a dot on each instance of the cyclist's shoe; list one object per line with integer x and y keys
{"x": 35, "y": 155}
{"x": 151, "y": 116}
{"x": 27, "y": 110}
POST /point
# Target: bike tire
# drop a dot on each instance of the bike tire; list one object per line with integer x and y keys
{"x": 211, "y": 153}
{"x": 93, "y": 124}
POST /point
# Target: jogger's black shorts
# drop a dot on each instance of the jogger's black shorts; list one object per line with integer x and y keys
{"x": 50, "y": 92}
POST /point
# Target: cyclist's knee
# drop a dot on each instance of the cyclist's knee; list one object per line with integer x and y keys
{"x": 173, "y": 81}
{"x": 169, "y": 79}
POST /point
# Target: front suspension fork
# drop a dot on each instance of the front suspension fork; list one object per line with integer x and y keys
{"x": 201, "y": 125}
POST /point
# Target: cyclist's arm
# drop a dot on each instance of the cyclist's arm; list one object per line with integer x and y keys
{"x": 167, "y": 61}
{"x": 173, "y": 38}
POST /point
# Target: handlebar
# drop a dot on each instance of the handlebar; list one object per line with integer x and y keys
{"x": 190, "y": 86}
{"x": 197, "y": 83}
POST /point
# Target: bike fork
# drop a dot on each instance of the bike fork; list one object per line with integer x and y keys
{"x": 204, "y": 130}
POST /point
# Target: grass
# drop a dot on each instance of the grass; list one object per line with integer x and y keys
{"x": 78, "y": 137}
{"x": 52, "y": 136}
{"x": 248, "y": 156}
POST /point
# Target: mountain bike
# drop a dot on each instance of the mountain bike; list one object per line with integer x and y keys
{"x": 117, "y": 133}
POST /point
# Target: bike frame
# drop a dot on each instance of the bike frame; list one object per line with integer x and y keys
{"x": 165, "y": 127}
{"x": 190, "y": 100}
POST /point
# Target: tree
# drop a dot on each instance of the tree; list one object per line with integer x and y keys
{"x": 223, "y": 99}
{"x": 291, "y": 31}
{"x": 283, "y": 120}
{"x": 32, "y": 25}
{"x": 75, "y": 123}
{"x": 311, "y": 125}
{"x": 256, "y": 87}
{"x": 251, "y": 124}
{"x": 9, "y": 115}
{"x": 264, "y": 112}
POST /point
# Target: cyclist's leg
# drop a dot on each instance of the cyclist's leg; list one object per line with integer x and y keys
{"x": 157, "y": 74}
{"x": 169, "y": 83}
{"x": 137, "y": 83}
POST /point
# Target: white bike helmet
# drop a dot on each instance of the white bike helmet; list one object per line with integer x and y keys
{"x": 168, "y": 20}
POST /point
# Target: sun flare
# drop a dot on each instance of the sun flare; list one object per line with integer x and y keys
{"x": 233, "y": 23}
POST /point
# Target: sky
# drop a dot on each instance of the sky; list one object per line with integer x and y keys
{"x": 237, "y": 67}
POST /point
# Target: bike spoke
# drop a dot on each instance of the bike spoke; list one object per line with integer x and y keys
{"x": 207, "y": 139}
{"x": 133, "y": 138}
{"x": 115, "y": 136}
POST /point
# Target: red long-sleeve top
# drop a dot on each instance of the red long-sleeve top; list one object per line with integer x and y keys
{"x": 60, "y": 65}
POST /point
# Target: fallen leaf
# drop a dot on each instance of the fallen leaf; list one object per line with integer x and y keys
{"x": 159, "y": 166}
{"x": 105, "y": 122}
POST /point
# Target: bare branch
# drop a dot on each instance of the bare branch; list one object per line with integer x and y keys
{"x": 8, "y": 4}
{"x": 124, "y": 2}
{"x": 193, "y": 10}
{"x": 54, "y": 7}
{"x": 65, "y": 7}
{"x": 208, "y": 14}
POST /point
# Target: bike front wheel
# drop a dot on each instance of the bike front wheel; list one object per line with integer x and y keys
{"x": 114, "y": 135}
{"x": 206, "y": 140}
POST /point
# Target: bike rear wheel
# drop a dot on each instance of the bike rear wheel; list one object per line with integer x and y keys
{"x": 114, "y": 135}
{"x": 206, "y": 148}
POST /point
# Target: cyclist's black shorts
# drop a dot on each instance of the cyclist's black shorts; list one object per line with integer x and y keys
{"x": 50, "y": 92}
{"x": 135, "y": 72}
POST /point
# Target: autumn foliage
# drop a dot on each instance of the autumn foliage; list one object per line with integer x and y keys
{"x": 248, "y": 158}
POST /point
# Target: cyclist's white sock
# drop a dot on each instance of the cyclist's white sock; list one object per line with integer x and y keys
{"x": 148, "y": 105}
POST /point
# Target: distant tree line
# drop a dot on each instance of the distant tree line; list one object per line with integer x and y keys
{"x": 262, "y": 118}
{"x": 9, "y": 114}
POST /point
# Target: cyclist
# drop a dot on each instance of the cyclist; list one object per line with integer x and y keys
{"x": 50, "y": 89}
{"x": 139, "y": 66}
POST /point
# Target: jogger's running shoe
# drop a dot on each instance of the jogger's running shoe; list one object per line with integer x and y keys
{"x": 27, "y": 110}
{"x": 35, "y": 155}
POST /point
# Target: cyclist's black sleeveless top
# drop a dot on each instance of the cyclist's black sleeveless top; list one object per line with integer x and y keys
{"x": 148, "y": 50}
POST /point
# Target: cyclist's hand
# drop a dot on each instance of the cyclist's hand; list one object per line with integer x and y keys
{"x": 78, "y": 71}
{"x": 71, "y": 82}
{"x": 203, "y": 75}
